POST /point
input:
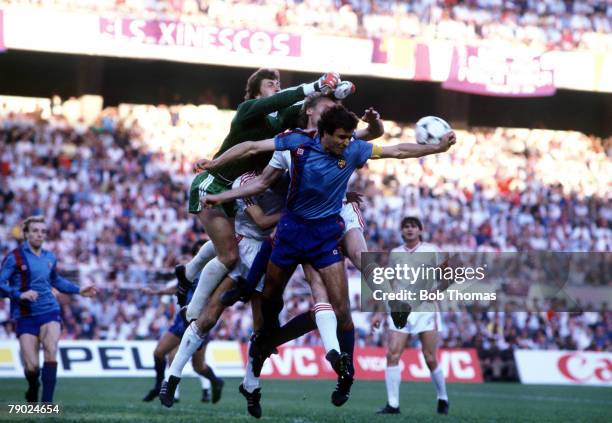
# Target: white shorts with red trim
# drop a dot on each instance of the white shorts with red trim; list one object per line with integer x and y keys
{"x": 423, "y": 321}
{"x": 352, "y": 217}
{"x": 247, "y": 250}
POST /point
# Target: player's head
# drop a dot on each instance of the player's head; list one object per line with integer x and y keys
{"x": 313, "y": 108}
{"x": 336, "y": 127}
{"x": 263, "y": 83}
{"x": 196, "y": 246}
{"x": 412, "y": 229}
{"x": 34, "y": 230}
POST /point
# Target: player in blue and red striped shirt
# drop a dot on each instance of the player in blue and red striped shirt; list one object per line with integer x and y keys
{"x": 27, "y": 277}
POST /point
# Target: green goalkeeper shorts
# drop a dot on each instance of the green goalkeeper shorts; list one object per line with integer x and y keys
{"x": 205, "y": 183}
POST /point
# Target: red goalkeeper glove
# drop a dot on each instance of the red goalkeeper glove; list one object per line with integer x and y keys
{"x": 327, "y": 83}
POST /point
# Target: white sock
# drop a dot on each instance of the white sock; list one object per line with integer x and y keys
{"x": 189, "y": 344}
{"x": 327, "y": 325}
{"x": 177, "y": 393}
{"x": 205, "y": 254}
{"x": 205, "y": 382}
{"x": 393, "y": 379}
{"x": 211, "y": 276}
{"x": 437, "y": 377}
{"x": 250, "y": 382}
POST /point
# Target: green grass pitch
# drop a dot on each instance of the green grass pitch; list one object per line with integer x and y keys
{"x": 120, "y": 399}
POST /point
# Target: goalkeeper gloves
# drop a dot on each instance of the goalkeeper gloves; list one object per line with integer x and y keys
{"x": 343, "y": 90}
{"x": 325, "y": 84}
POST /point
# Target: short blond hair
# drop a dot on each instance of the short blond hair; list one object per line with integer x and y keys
{"x": 25, "y": 226}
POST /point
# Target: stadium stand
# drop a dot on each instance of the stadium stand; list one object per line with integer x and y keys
{"x": 545, "y": 25}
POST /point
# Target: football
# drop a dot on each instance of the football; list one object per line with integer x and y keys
{"x": 430, "y": 129}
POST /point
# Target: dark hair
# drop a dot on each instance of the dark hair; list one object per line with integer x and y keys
{"x": 311, "y": 102}
{"x": 412, "y": 219}
{"x": 337, "y": 117}
{"x": 196, "y": 246}
{"x": 253, "y": 84}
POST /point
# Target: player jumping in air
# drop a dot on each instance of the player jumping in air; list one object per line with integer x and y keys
{"x": 27, "y": 277}
{"x": 265, "y": 112}
{"x": 353, "y": 243}
{"x": 254, "y": 220}
{"x": 311, "y": 227}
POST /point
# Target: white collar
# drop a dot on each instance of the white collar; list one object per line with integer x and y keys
{"x": 413, "y": 249}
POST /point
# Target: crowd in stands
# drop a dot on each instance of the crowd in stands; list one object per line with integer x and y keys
{"x": 542, "y": 24}
{"x": 113, "y": 192}
{"x": 498, "y": 189}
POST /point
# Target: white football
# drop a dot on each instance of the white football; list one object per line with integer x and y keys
{"x": 430, "y": 129}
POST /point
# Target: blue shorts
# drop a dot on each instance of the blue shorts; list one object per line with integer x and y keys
{"x": 32, "y": 324}
{"x": 178, "y": 326}
{"x": 314, "y": 241}
{"x": 178, "y": 329}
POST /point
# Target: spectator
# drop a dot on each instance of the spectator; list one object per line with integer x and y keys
{"x": 551, "y": 24}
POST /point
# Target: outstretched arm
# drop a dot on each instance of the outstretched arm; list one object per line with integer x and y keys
{"x": 62, "y": 284}
{"x": 65, "y": 286}
{"x": 260, "y": 184}
{"x": 239, "y": 151}
{"x": 411, "y": 150}
{"x": 263, "y": 106}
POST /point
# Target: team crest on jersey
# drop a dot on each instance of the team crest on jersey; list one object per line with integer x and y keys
{"x": 24, "y": 268}
{"x": 341, "y": 163}
{"x": 300, "y": 151}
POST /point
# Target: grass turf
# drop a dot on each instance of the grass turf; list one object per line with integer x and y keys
{"x": 120, "y": 399}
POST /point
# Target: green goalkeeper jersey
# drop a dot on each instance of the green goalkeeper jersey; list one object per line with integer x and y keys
{"x": 256, "y": 120}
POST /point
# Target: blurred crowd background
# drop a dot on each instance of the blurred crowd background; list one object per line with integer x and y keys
{"x": 541, "y": 24}
{"x": 114, "y": 193}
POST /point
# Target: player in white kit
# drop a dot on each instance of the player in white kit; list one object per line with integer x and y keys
{"x": 426, "y": 322}
{"x": 255, "y": 220}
